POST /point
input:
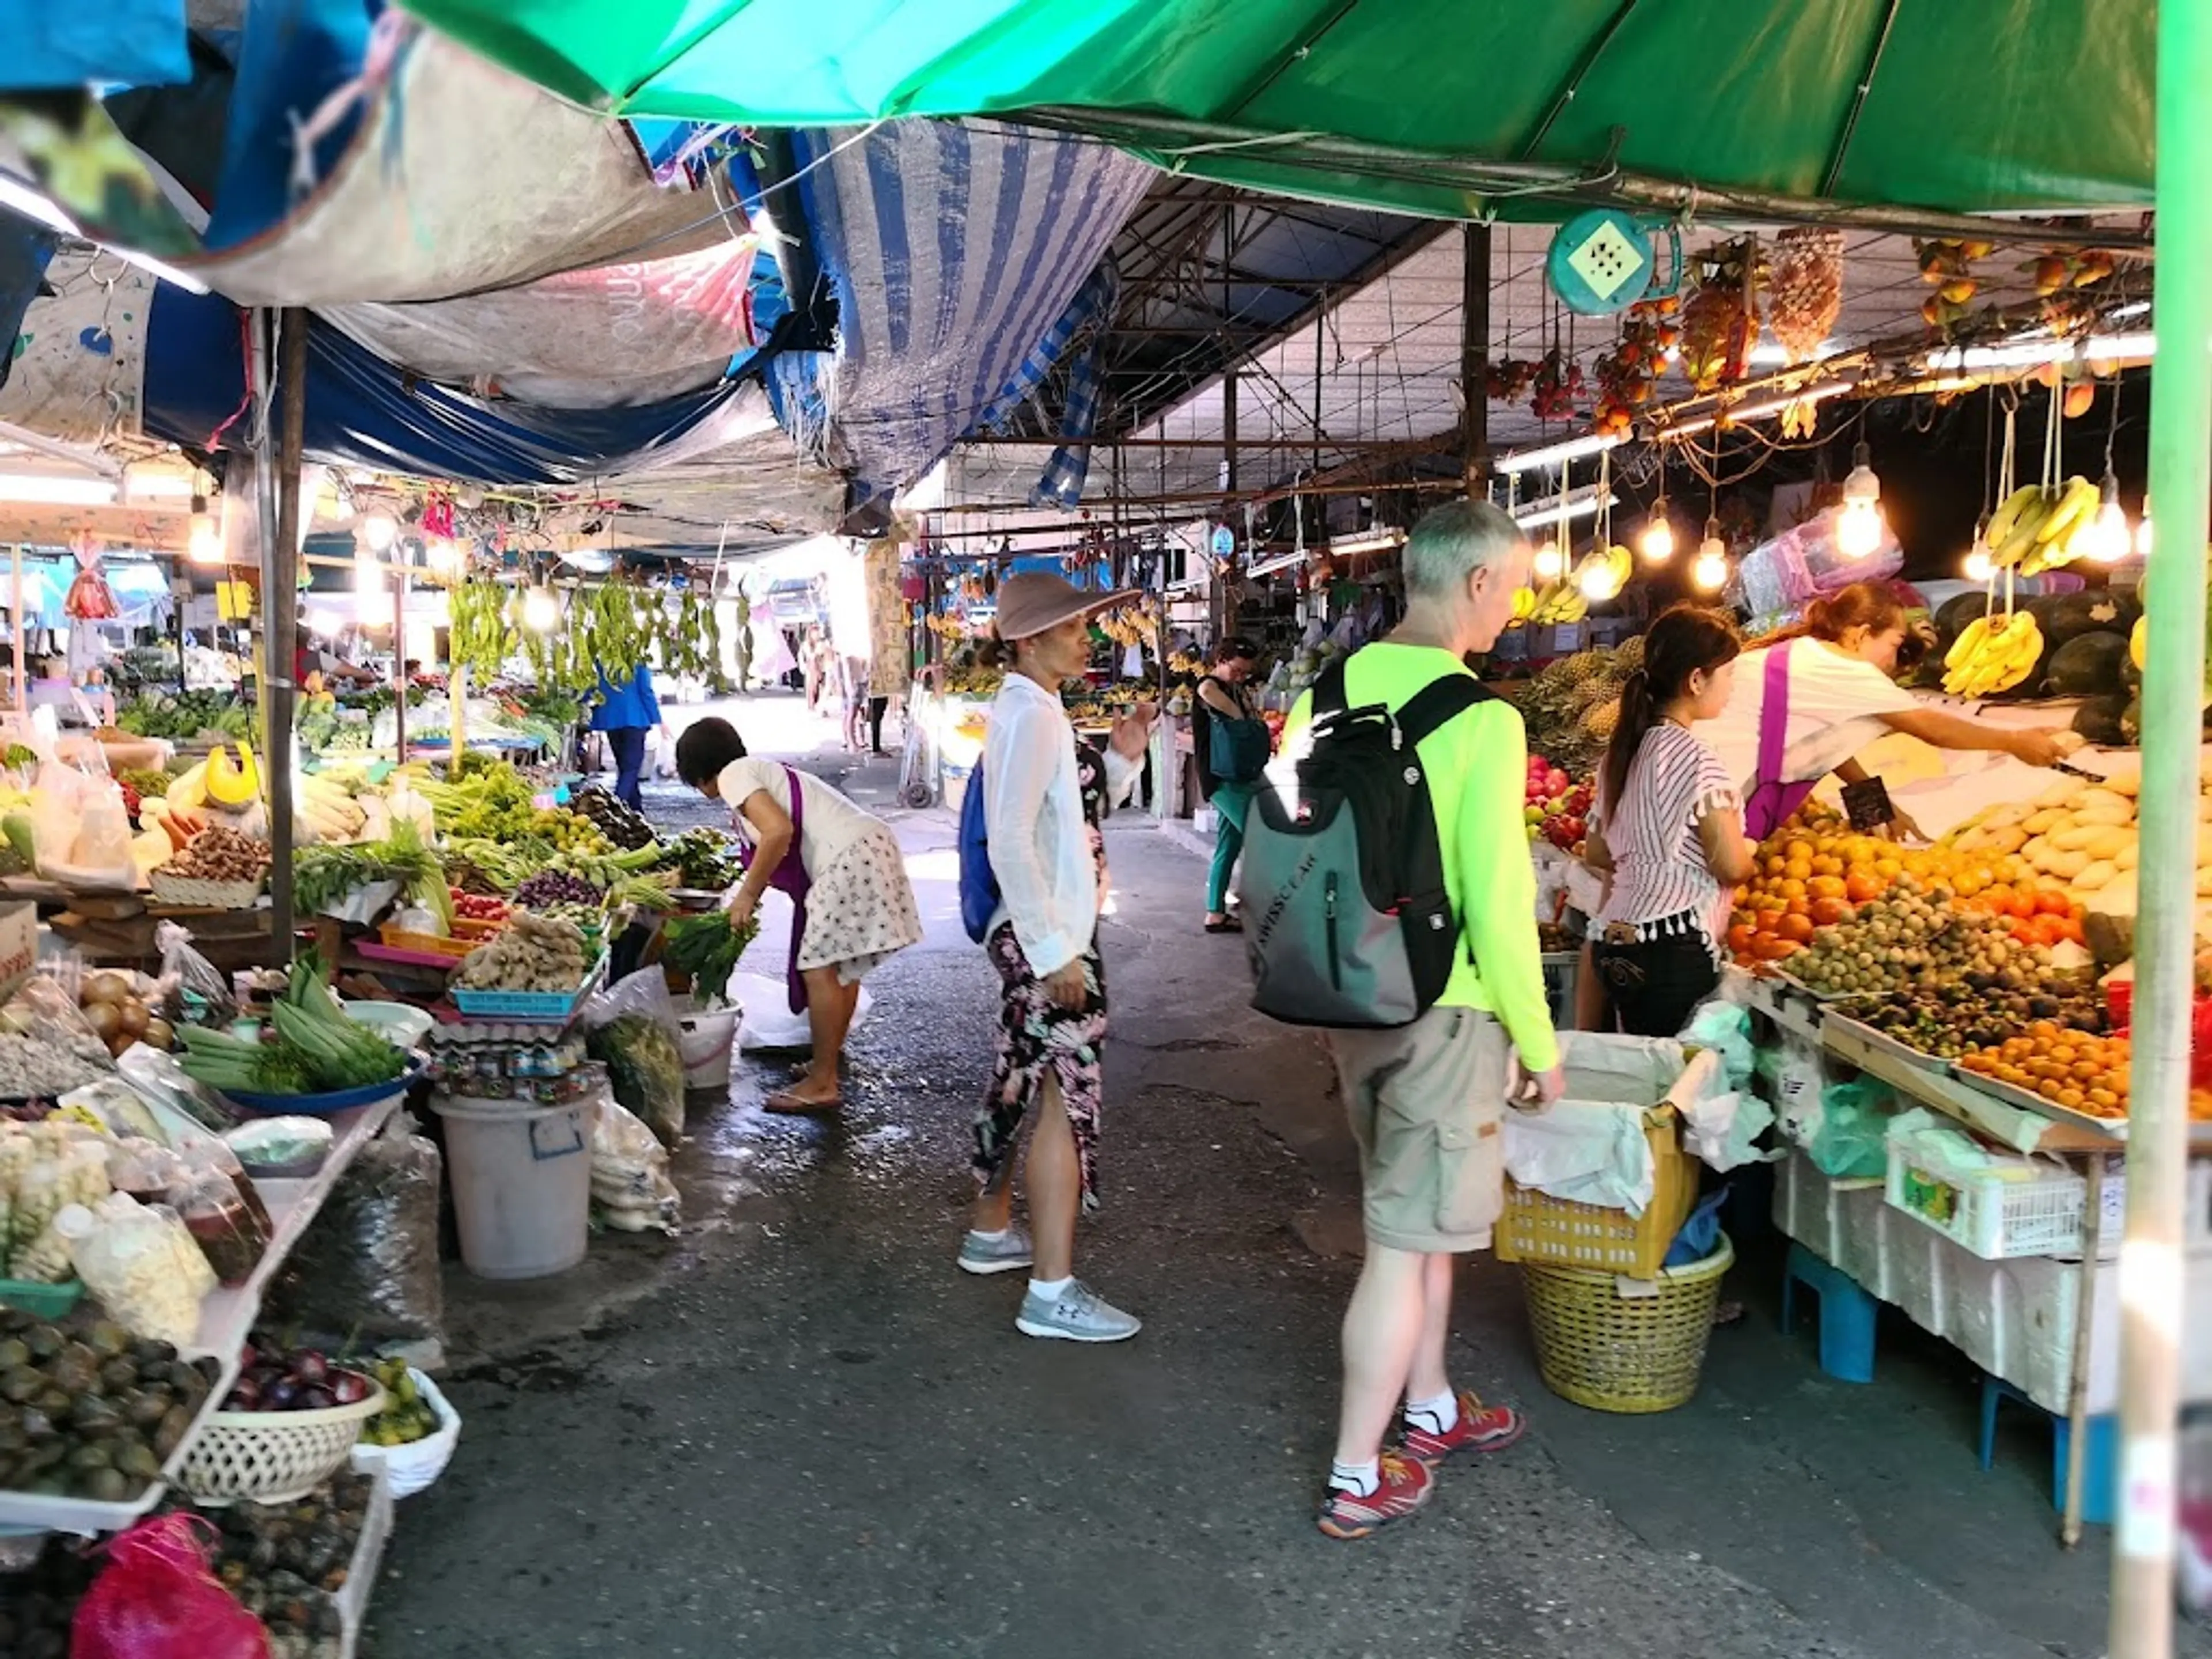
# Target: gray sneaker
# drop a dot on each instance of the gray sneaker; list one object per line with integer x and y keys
{"x": 995, "y": 1255}
{"x": 1079, "y": 1315}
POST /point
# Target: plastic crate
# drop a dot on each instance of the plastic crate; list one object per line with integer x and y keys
{"x": 2010, "y": 1210}
{"x": 48, "y": 1302}
{"x": 1561, "y": 968}
{"x": 467, "y": 934}
{"x": 530, "y": 1008}
{"x": 1557, "y": 1231}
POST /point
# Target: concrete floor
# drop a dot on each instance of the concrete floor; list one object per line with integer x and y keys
{"x": 795, "y": 1430}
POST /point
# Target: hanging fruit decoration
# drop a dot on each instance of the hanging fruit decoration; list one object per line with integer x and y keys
{"x": 1805, "y": 290}
{"x": 1629, "y": 373}
{"x": 2055, "y": 271}
{"x": 1507, "y": 380}
{"x": 1559, "y": 383}
{"x": 1947, "y": 267}
{"x": 1721, "y": 320}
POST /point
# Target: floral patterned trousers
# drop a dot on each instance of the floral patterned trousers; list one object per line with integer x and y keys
{"x": 1037, "y": 1039}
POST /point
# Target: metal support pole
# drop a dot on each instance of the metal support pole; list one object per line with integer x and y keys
{"x": 16, "y": 615}
{"x": 2085, "y": 1341}
{"x": 1474, "y": 356}
{"x": 399, "y": 663}
{"x": 1223, "y": 607}
{"x": 2150, "y": 1277}
{"x": 280, "y": 569}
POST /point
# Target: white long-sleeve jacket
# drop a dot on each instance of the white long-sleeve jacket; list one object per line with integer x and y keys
{"x": 1033, "y": 816}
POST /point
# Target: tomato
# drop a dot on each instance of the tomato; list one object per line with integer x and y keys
{"x": 2073, "y": 932}
{"x": 2021, "y": 906}
{"x": 1768, "y": 921}
{"x": 1739, "y": 940}
{"x": 2051, "y": 901}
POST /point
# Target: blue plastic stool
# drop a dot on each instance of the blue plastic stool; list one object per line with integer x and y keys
{"x": 1847, "y": 1314}
{"x": 2100, "y": 1465}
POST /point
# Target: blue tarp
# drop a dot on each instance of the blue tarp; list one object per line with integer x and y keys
{"x": 361, "y": 411}
{"x": 57, "y": 45}
{"x": 293, "y": 54}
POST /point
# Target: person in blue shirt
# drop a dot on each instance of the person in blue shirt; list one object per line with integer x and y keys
{"x": 626, "y": 711}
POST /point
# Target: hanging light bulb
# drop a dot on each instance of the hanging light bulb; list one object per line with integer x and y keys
{"x": 1657, "y": 544}
{"x": 1599, "y": 580}
{"x": 440, "y": 555}
{"x": 1550, "y": 564}
{"x": 1858, "y": 524}
{"x": 2143, "y": 531}
{"x": 204, "y": 545}
{"x": 541, "y": 610}
{"x": 378, "y": 530}
{"x": 2105, "y": 539}
{"x": 1978, "y": 566}
{"x": 1709, "y": 571}
{"x": 369, "y": 591}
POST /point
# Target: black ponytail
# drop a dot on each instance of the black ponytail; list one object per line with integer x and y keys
{"x": 993, "y": 652}
{"x": 1686, "y": 638}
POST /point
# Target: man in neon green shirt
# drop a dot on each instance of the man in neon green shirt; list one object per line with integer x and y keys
{"x": 1427, "y": 1100}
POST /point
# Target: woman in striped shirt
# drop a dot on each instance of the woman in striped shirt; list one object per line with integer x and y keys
{"x": 1668, "y": 835}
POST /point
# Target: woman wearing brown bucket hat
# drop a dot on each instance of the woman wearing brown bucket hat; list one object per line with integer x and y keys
{"x": 1044, "y": 795}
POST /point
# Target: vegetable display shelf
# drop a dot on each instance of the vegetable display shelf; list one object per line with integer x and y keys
{"x": 226, "y": 1318}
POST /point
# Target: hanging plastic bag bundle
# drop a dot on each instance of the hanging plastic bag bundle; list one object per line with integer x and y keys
{"x": 635, "y": 1030}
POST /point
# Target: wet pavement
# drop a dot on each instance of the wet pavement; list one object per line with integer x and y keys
{"x": 796, "y": 1431}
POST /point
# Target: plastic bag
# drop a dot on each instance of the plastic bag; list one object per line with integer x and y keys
{"x": 635, "y": 1030}
{"x": 366, "y": 1270}
{"x": 1850, "y": 1141}
{"x": 146, "y": 1269}
{"x": 631, "y": 1190}
{"x": 190, "y": 974}
{"x": 146, "y": 1171}
{"x": 155, "y": 1599}
{"x": 206, "y": 1154}
{"x": 1725, "y": 1027}
{"x": 229, "y": 1235}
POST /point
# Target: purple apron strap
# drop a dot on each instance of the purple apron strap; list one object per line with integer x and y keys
{"x": 790, "y": 878}
{"x": 1771, "y": 801}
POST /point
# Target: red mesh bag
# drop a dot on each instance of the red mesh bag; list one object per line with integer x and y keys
{"x": 155, "y": 1599}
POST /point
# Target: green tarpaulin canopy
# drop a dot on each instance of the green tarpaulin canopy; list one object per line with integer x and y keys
{"x": 1436, "y": 106}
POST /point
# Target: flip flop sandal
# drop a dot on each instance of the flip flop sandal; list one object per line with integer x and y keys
{"x": 785, "y": 1104}
{"x": 1231, "y": 926}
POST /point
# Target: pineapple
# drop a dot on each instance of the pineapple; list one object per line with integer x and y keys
{"x": 1603, "y": 720}
{"x": 1630, "y": 657}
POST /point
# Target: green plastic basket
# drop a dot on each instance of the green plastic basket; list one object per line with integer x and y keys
{"x": 46, "y": 1301}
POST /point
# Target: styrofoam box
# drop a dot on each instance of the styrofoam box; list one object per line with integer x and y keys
{"x": 1839, "y": 1221}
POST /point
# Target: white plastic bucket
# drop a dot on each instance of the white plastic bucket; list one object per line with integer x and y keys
{"x": 708, "y": 1038}
{"x": 522, "y": 1184}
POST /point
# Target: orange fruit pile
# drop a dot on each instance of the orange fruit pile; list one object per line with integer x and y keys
{"x": 2073, "y": 1069}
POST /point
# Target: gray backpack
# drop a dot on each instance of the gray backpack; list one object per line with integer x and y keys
{"x": 1348, "y": 925}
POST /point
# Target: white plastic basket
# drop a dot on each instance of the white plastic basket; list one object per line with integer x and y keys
{"x": 414, "y": 1467}
{"x": 273, "y": 1457}
{"x": 1996, "y": 1213}
{"x": 709, "y": 1035}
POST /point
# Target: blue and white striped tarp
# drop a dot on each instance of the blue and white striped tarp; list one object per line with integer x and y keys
{"x": 1082, "y": 327}
{"x": 954, "y": 251}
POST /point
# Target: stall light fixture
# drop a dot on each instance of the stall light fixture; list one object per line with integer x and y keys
{"x": 1556, "y": 510}
{"x": 2034, "y": 354}
{"x": 1758, "y": 411}
{"x": 158, "y": 486}
{"x": 42, "y": 490}
{"x": 440, "y": 555}
{"x": 1858, "y": 526}
{"x": 541, "y": 610}
{"x": 204, "y": 543}
{"x": 1709, "y": 571}
{"x": 1657, "y": 544}
{"x": 2105, "y": 540}
{"x": 378, "y": 530}
{"x": 1381, "y": 541}
{"x": 1978, "y": 566}
{"x": 1599, "y": 581}
{"x": 1550, "y": 564}
{"x": 1558, "y": 454}
{"x": 19, "y": 197}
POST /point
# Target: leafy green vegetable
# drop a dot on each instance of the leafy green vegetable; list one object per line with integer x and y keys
{"x": 706, "y": 948}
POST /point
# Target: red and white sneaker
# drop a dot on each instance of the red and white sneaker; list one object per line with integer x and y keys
{"x": 1480, "y": 1427}
{"x": 1404, "y": 1486}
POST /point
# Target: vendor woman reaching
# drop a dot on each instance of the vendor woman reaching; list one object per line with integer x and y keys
{"x": 1806, "y": 702}
{"x": 847, "y": 880}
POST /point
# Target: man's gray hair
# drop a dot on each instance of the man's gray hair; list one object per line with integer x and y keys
{"x": 1452, "y": 540}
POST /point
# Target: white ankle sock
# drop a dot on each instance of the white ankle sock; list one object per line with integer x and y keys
{"x": 1048, "y": 1289}
{"x": 1437, "y": 1416}
{"x": 982, "y": 1237}
{"x": 1360, "y": 1480}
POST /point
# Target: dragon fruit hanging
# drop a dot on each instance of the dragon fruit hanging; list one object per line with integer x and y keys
{"x": 89, "y": 598}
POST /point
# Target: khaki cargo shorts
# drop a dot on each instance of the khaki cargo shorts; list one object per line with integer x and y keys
{"x": 1426, "y": 1101}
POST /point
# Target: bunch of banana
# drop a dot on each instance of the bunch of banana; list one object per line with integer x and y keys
{"x": 1524, "y": 603}
{"x": 1996, "y": 653}
{"x": 2033, "y": 530}
{"x": 1560, "y": 602}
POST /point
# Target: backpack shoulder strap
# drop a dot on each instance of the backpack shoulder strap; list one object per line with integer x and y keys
{"x": 1329, "y": 697}
{"x": 1443, "y": 701}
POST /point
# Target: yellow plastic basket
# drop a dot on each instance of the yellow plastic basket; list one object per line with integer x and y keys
{"x": 1623, "y": 1354}
{"x": 1558, "y": 1232}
